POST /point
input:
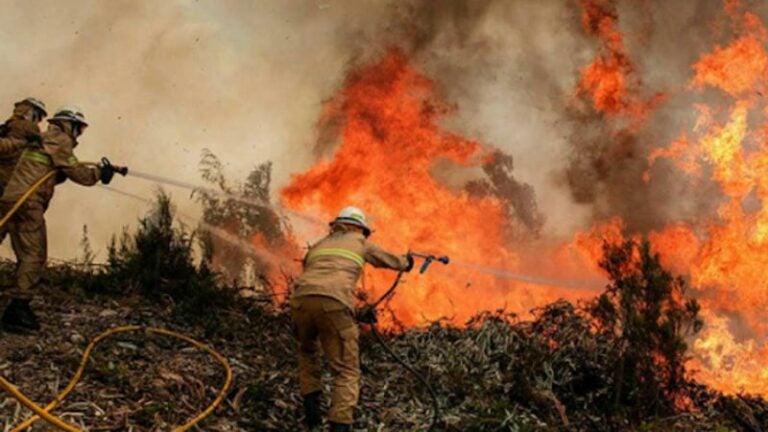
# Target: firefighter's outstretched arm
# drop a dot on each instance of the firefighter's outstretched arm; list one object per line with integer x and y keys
{"x": 61, "y": 150}
{"x": 84, "y": 174}
{"x": 379, "y": 257}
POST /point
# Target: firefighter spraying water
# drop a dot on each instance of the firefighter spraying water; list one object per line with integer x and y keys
{"x": 324, "y": 314}
{"x": 40, "y": 166}
{"x": 323, "y": 305}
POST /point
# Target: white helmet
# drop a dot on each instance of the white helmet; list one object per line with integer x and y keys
{"x": 353, "y": 216}
{"x": 34, "y": 103}
{"x": 70, "y": 113}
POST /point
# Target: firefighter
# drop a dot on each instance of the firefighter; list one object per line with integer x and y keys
{"x": 322, "y": 307}
{"x": 21, "y": 130}
{"x": 27, "y": 226}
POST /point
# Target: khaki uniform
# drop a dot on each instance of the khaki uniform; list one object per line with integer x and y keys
{"x": 10, "y": 150}
{"x": 18, "y": 130}
{"x": 27, "y": 227}
{"x": 322, "y": 307}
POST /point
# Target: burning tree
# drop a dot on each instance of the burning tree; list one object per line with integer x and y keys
{"x": 243, "y": 211}
{"x": 615, "y": 363}
{"x": 645, "y": 313}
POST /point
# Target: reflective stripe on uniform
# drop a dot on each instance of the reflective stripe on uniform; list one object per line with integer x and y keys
{"x": 37, "y": 156}
{"x": 343, "y": 253}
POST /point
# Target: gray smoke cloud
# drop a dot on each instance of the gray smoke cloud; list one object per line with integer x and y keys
{"x": 160, "y": 81}
{"x": 609, "y": 157}
{"x": 510, "y": 68}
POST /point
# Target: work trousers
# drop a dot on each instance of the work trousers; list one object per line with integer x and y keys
{"x": 29, "y": 240}
{"x": 327, "y": 328}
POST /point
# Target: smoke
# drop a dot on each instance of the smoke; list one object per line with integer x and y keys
{"x": 508, "y": 67}
{"x": 610, "y": 147}
{"x": 514, "y": 70}
{"x": 159, "y": 82}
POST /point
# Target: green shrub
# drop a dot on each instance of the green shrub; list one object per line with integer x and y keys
{"x": 158, "y": 262}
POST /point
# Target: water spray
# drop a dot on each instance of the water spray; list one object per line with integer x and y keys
{"x": 368, "y": 314}
{"x": 520, "y": 277}
{"x": 220, "y": 233}
{"x": 234, "y": 197}
{"x": 496, "y": 272}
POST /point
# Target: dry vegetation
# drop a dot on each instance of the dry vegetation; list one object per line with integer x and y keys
{"x": 616, "y": 363}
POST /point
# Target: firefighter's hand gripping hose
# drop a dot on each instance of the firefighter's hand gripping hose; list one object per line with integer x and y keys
{"x": 367, "y": 315}
{"x": 44, "y": 413}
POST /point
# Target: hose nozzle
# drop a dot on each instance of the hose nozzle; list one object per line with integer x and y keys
{"x": 122, "y": 170}
{"x": 428, "y": 259}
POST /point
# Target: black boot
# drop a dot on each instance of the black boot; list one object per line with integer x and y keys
{"x": 19, "y": 318}
{"x": 339, "y": 427}
{"x": 312, "y": 416}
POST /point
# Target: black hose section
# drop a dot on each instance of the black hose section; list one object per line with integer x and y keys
{"x": 414, "y": 372}
{"x": 390, "y": 291}
{"x": 398, "y": 359}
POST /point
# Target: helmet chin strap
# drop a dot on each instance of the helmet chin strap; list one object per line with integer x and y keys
{"x": 77, "y": 129}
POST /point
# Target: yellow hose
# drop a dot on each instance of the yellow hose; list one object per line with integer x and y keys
{"x": 24, "y": 197}
{"x": 44, "y": 413}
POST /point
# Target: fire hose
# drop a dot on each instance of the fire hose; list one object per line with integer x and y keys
{"x": 44, "y": 413}
{"x": 368, "y": 315}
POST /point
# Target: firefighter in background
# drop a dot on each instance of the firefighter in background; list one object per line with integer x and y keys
{"x": 322, "y": 308}
{"x": 20, "y": 131}
{"x": 27, "y": 226}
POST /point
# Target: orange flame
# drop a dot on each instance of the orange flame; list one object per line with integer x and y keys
{"x": 610, "y": 81}
{"x": 735, "y": 69}
{"x": 725, "y": 256}
{"x": 387, "y": 119}
{"x": 390, "y": 141}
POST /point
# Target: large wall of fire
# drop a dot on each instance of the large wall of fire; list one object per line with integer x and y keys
{"x": 679, "y": 161}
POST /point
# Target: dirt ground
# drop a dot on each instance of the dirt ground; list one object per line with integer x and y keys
{"x": 133, "y": 381}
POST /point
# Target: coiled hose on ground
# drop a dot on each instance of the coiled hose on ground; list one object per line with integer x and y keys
{"x": 44, "y": 413}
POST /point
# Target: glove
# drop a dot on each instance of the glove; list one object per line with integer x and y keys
{"x": 409, "y": 257}
{"x": 61, "y": 177}
{"x": 34, "y": 139}
{"x": 367, "y": 315}
{"x": 106, "y": 174}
